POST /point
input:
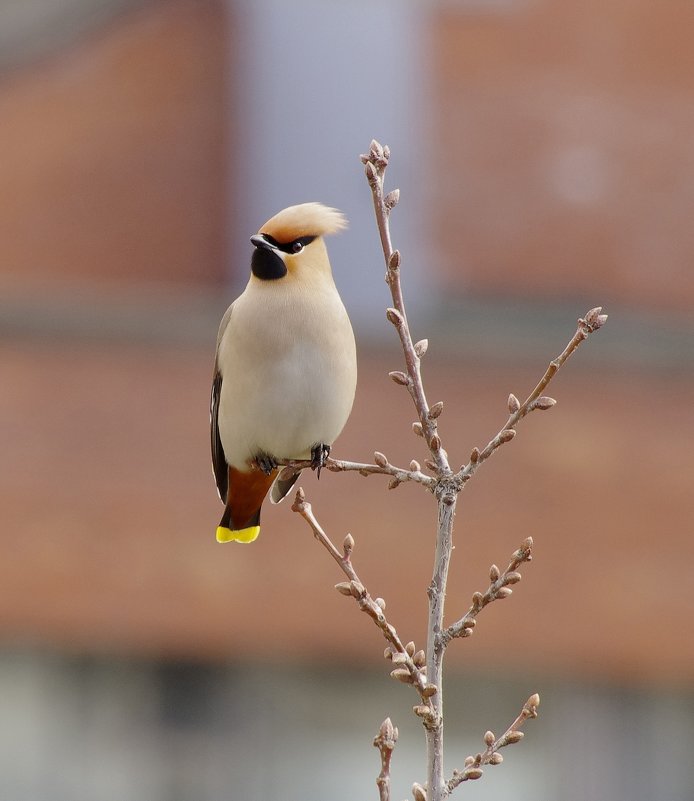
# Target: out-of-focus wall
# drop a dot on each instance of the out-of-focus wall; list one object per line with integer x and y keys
{"x": 114, "y": 156}
{"x": 563, "y": 161}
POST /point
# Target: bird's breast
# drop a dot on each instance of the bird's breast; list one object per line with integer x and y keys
{"x": 288, "y": 366}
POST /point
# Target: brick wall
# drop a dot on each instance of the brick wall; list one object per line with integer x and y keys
{"x": 563, "y": 149}
{"x": 117, "y": 155}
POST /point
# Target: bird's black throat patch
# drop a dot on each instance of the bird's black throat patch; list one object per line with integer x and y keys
{"x": 267, "y": 265}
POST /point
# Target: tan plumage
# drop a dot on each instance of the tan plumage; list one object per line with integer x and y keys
{"x": 285, "y": 367}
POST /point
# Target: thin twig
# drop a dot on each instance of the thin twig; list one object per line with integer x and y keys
{"x": 491, "y": 756}
{"x": 385, "y": 742}
{"x": 498, "y": 588}
{"x": 409, "y": 664}
{"x": 375, "y": 164}
{"x": 593, "y": 321}
{"x": 399, "y": 475}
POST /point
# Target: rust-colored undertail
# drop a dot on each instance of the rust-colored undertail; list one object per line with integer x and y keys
{"x": 241, "y": 519}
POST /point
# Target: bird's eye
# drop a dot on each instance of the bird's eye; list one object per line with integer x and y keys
{"x": 297, "y": 246}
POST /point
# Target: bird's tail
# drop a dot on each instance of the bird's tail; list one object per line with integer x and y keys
{"x": 241, "y": 519}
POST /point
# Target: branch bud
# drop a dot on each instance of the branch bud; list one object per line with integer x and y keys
{"x": 513, "y": 403}
{"x": 348, "y": 544}
{"x": 401, "y": 674}
{"x": 399, "y": 377}
{"x": 507, "y": 435}
{"x": 429, "y": 689}
{"x": 593, "y": 319}
{"x": 388, "y": 653}
{"x": 544, "y": 402}
{"x": 473, "y": 773}
{"x": 418, "y": 792}
{"x": 387, "y": 734}
{"x": 513, "y": 577}
{"x": 415, "y": 466}
{"x": 380, "y": 459}
{"x": 503, "y": 592}
{"x": 410, "y": 648}
{"x": 399, "y": 658}
{"x": 435, "y": 442}
{"x": 370, "y": 171}
{"x": 489, "y": 738}
{"x": 417, "y": 429}
{"x": 477, "y": 600}
{"x": 375, "y": 149}
{"x": 531, "y": 705}
{"x": 390, "y": 201}
{"x": 435, "y": 410}
{"x": 513, "y": 737}
{"x": 524, "y": 553}
{"x": 494, "y": 573}
{"x": 344, "y": 587}
{"x": 421, "y": 711}
{"x": 394, "y": 482}
{"x": 430, "y": 465}
{"x": 420, "y": 348}
{"x": 496, "y": 759}
{"x": 394, "y": 261}
{"x": 419, "y": 658}
{"x": 381, "y": 604}
{"x": 474, "y": 455}
{"x": 394, "y": 316}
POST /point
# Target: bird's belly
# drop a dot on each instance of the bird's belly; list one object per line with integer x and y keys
{"x": 289, "y": 404}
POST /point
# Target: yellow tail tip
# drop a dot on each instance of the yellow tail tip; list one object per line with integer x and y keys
{"x": 241, "y": 535}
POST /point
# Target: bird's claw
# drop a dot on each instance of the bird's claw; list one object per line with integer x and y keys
{"x": 266, "y": 463}
{"x": 319, "y": 456}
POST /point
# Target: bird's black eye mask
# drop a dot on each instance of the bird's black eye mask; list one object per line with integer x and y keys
{"x": 266, "y": 264}
{"x": 293, "y": 247}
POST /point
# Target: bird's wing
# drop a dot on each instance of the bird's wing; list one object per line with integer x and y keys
{"x": 219, "y": 462}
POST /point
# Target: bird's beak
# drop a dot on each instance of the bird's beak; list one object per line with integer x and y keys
{"x": 259, "y": 241}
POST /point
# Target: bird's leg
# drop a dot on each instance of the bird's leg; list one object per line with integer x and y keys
{"x": 266, "y": 463}
{"x": 319, "y": 454}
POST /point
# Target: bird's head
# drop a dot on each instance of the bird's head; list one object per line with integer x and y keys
{"x": 292, "y": 241}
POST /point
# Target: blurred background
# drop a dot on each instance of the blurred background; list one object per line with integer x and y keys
{"x": 544, "y": 151}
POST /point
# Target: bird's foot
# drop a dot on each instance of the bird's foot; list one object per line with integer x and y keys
{"x": 266, "y": 463}
{"x": 319, "y": 455}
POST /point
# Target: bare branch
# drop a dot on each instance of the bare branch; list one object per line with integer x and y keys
{"x": 399, "y": 475}
{"x": 491, "y": 755}
{"x": 593, "y": 321}
{"x": 385, "y": 742}
{"x": 408, "y": 668}
{"x": 376, "y": 162}
{"x": 498, "y": 588}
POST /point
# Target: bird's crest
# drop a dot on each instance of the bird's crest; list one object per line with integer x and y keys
{"x": 306, "y": 219}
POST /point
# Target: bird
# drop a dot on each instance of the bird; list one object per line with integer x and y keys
{"x": 285, "y": 369}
